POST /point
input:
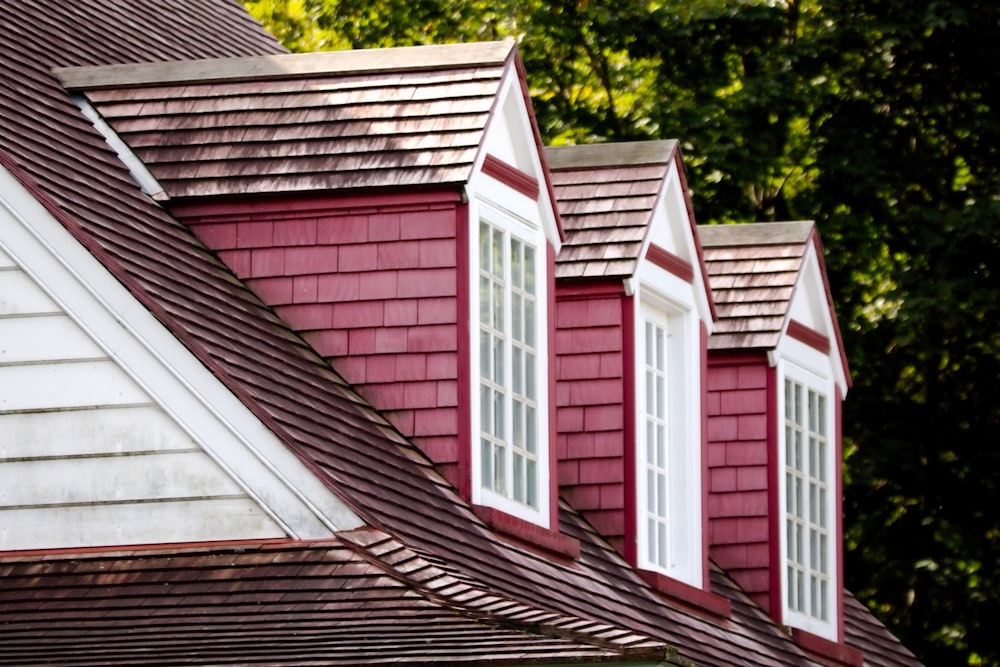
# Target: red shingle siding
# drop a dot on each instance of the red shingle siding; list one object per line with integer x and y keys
{"x": 372, "y": 286}
{"x": 738, "y": 468}
{"x": 590, "y": 407}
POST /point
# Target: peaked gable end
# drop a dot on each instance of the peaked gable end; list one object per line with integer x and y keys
{"x": 106, "y": 442}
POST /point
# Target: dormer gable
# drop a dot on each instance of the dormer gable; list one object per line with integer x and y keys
{"x": 776, "y": 378}
{"x": 633, "y": 311}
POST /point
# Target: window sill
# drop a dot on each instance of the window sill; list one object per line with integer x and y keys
{"x": 527, "y": 532}
{"x": 844, "y": 655}
{"x": 687, "y": 595}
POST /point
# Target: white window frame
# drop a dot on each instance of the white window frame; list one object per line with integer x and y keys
{"x": 514, "y": 227}
{"x": 808, "y": 372}
{"x": 682, "y": 470}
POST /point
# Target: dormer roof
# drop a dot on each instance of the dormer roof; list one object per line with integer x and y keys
{"x": 620, "y": 202}
{"x": 606, "y": 195}
{"x": 768, "y": 279}
{"x": 272, "y": 124}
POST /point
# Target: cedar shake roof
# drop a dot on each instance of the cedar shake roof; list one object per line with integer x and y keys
{"x": 324, "y": 602}
{"x": 867, "y": 634}
{"x": 58, "y": 156}
{"x": 412, "y": 116}
{"x": 606, "y": 194}
{"x": 752, "y": 270}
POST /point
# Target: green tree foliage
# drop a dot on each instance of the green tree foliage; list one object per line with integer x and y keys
{"x": 880, "y": 120}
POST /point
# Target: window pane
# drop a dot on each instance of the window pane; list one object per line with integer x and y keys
{"x": 650, "y": 494}
{"x": 486, "y": 458}
{"x": 517, "y": 317}
{"x": 532, "y": 484}
{"x": 529, "y": 269}
{"x": 498, "y": 368}
{"x": 517, "y": 476}
{"x": 661, "y": 496}
{"x": 499, "y": 469}
{"x": 485, "y": 243}
{"x": 497, "y": 253}
{"x": 660, "y": 346}
{"x": 517, "y": 371}
{"x": 531, "y": 439}
{"x": 661, "y": 542}
{"x": 485, "y": 409}
{"x": 484, "y": 300}
{"x": 516, "y": 268}
{"x": 499, "y": 424}
{"x": 530, "y": 378}
{"x": 518, "y": 428}
{"x": 529, "y": 322}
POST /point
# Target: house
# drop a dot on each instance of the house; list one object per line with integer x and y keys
{"x": 325, "y": 359}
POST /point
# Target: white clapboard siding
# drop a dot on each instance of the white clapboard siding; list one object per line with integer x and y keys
{"x": 190, "y": 475}
{"x": 62, "y": 385}
{"x": 87, "y": 458}
{"x": 134, "y": 523}
{"x": 97, "y": 431}
{"x": 19, "y": 295}
{"x": 6, "y": 261}
{"x": 24, "y": 339}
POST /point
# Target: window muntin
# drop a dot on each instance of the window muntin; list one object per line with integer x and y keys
{"x": 809, "y": 575}
{"x": 512, "y": 468}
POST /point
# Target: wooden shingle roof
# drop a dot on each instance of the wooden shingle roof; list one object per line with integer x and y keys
{"x": 302, "y": 122}
{"x": 56, "y": 154}
{"x": 326, "y": 602}
{"x": 606, "y": 194}
{"x": 753, "y": 269}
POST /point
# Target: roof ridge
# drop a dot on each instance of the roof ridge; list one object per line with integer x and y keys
{"x": 756, "y": 233}
{"x": 613, "y": 154}
{"x": 286, "y": 65}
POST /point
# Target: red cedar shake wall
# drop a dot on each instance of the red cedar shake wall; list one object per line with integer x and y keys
{"x": 590, "y": 406}
{"x": 740, "y": 534}
{"x": 371, "y": 283}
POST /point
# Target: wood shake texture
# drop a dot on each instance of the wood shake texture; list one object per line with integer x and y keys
{"x": 752, "y": 271}
{"x": 606, "y": 198}
{"x": 336, "y": 602}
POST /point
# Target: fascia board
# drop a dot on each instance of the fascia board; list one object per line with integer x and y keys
{"x": 158, "y": 362}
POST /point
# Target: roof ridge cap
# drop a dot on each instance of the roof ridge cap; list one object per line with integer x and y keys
{"x": 756, "y": 233}
{"x": 611, "y": 154}
{"x": 286, "y": 65}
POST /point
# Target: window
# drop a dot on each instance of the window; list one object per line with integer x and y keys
{"x": 512, "y": 450}
{"x": 655, "y": 438}
{"x": 668, "y": 488}
{"x": 808, "y": 490}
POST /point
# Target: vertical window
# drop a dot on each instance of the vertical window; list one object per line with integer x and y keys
{"x": 655, "y": 418}
{"x": 511, "y": 467}
{"x": 668, "y": 442}
{"x": 808, "y": 530}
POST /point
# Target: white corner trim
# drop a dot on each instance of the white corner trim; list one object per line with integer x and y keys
{"x": 156, "y": 360}
{"x": 136, "y": 167}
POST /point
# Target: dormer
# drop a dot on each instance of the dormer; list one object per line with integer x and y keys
{"x": 391, "y": 206}
{"x": 633, "y": 313}
{"x": 777, "y": 375}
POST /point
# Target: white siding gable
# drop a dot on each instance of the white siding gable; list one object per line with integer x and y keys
{"x": 111, "y": 432}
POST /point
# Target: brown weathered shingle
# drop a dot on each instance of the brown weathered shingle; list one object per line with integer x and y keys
{"x": 302, "y": 122}
{"x": 304, "y": 603}
{"x": 752, "y": 271}
{"x": 606, "y": 195}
